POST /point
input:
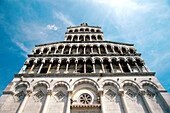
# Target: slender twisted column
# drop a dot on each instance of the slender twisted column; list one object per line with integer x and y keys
{"x": 106, "y": 49}
{"x": 55, "y": 50}
{"x": 22, "y": 106}
{"x": 68, "y": 101}
{"x": 120, "y": 50}
{"x": 35, "y": 61}
{"x": 49, "y": 67}
{"x": 91, "y": 49}
{"x": 67, "y": 66}
{"x": 124, "y": 103}
{"x": 43, "y": 61}
{"x": 49, "y": 93}
{"x": 137, "y": 67}
{"x": 129, "y": 67}
{"x": 84, "y": 49}
{"x": 62, "y": 52}
{"x": 102, "y": 67}
{"x": 70, "y": 50}
{"x": 58, "y": 66}
{"x": 23, "y": 69}
{"x": 142, "y": 94}
{"x": 111, "y": 66}
{"x": 77, "y": 50}
{"x": 72, "y": 38}
{"x": 48, "y": 51}
{"x": 120, "y": 67}
{"x": 76, "y": 62}
{"x": 99, "y": 50}
{"x": 84, "y": 66}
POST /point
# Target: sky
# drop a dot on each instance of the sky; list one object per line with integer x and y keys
{"x": 26, "y": 23}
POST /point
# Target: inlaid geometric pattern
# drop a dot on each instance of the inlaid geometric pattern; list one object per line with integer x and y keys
{"x": 110, "y": 94}
{"x": 60, "y": 95}
{"x": 131, "y": 93}
{"x": 20, "y": 95}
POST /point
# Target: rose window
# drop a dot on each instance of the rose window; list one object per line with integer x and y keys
{"x": 85, "y": 98}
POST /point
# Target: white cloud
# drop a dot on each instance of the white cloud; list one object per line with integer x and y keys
{"x": 52, "y": 27}
{"x": 63, "y": 18}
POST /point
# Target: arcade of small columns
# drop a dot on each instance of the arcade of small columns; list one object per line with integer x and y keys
{"x": 85, "y": 49}
{"x": 141, "y": 91}
{"x": 84, "y": 65}
{"x": 77, "y": 30}
{"x": 84, "y": 37}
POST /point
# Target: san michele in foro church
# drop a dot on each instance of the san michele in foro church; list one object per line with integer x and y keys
{"x": 85, "y": 74}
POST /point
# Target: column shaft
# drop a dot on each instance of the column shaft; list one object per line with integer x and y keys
{"x": 48, "y": 71}
{"x": 40, "y": 68}
{"x": 94, "y": 70}
{"x": 23, "y": 69}
{"x": 68, "y": 103}
{"x": 102, "y": 67}
{"x": 31, "y": 68}
{"x": 84, "y": 50}
{"x": 120, "y": 68}
{"x": 99, "y": 50}
{"x": 84, "y": 67}
{"x": 129, "y": 67}
{"x": 92, "y": 50}
{"x": 67, "y": 67}
{"x": 46, "y": 103}
{"x": 77, "y": 50}
{"x": 111, "y": 66}
{"x": 70, "y": 50}
{"x": 124, "y": 103}
{"x": 58, "y": 68}
{"x": 75, "y": 68}
{"x": 137, "y": 67}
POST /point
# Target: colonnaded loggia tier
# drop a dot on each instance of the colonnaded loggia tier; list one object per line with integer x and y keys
{"x": 85, "y": 74}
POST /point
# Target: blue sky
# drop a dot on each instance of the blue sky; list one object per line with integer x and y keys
{"x": 25, "y": 23}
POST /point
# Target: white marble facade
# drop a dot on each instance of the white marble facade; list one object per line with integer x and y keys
{"x": 85, "y": 74}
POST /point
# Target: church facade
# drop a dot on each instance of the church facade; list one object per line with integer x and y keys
{"x": 85, "y": 74}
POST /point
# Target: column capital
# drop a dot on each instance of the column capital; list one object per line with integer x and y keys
{"x": 28, "y": 92}
{"x": 141, "y": 92}
{"x": 121, "y": 92}
{"x": 49, "y": 91}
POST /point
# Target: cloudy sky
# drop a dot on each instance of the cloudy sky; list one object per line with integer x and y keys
{"x": 25, "y": 23}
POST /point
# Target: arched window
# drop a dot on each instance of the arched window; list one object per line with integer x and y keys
{"x": 70, "y": 31}
{"x": 99, "y": 37}
{"x": 81, "y": 38}
{"x": 72, "y": 66}
{"x": 52, "y": 50}
{"x": 93, "y": 38}
{"x": 87, "y": 30}
{"x": 69, "y": 38}
{"x": 98, "y": 67}
{"x": 109, "y": 49}
{"x": 76, "y": 30}
{"x": 74, "y": 50}
{"x": 87, "y": 38}
{"x": 81, "y": 30}
{"x": 98, "y": 30}
{"x": 45, "y": 66}
{"x": 37, "y": 51}
{"x": 88, "y": 50}
{"x": 124, "y": 66}
{"x": 89, "y": 66}
{"x": 102, "y": 49}
{"x": 92, "y": 30}
{"x": 80, "y": 66}
{"x": 66, "y": 50}
{"x": 45, "y": 51}
{"x": 81, "y": 50}
{"x": 107, "y": 67}
{"x": 75, "y": 38}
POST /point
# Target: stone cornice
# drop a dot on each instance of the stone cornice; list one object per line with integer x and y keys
{"x": 83, "y": 26}
{"x": 86, "y": 105}
{"x": 89, "y": 55}
{"x": 85, "y": 42}
{"x": 86, "y": 74}
{"x": 84, "y": 33}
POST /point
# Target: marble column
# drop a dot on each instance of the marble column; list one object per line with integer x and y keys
{"x": 76, "y": 62}
{"x": 69, "y": 51}
{"x": 62, "y": 52}
{"x": 31, "y": 68}
{"x": 67, "y": 66}
{"x": 106, "y": 49}
{"x": 142, "y": 94}
{"x": 49, "y": 67}
{"x": 137, "y": 67}
{"x": 23, "y": 69}
{"x": 77, "y": 50}
{"x": 58, "y": 67}
{"x": 120, "y": 67}
{"x": 91, "y": 49}
{"x": 22, "y": 106}
{"x": 123, "y": 100}
{"x": 84, "y": 49}
{"x": 102, "y": 67}
{"x": 111, "y": 66}
{"x": 40, "y": 68}
{"x": 129, "y": 67}
{"x": 102, "y": 101}
{"x": 99, "y": 50}
{"x": 46, "y": 103}
{"x": 68, "y": 102}
{"x": 84, "y": 66}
